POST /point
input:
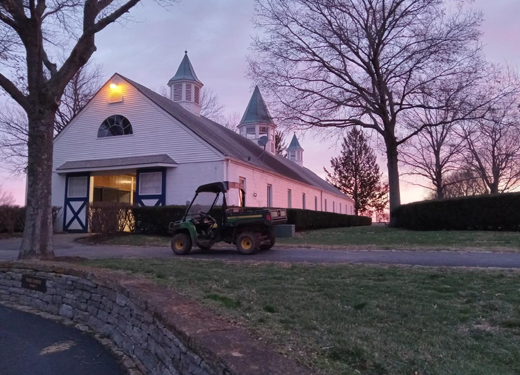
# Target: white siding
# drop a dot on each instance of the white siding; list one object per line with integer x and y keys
{"x": 181, "y": 182}
{"x": 155, "y": 132}
{"x": 257, "y": 181}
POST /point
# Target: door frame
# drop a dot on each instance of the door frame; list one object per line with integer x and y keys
{"x": 76, "y": 213}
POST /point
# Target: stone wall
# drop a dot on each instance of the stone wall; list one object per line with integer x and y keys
{"x": 163, "y": 332}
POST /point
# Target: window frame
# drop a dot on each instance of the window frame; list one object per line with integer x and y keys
{"x": 70, "y": 178}
{"x": 160, "y": 173}
{"x": 289, "y": 198}
{"x": 269, "y": 195}
{"x": 123, "y": 118}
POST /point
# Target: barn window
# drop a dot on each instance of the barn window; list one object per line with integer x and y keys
{"x": 177, "y": 92}
{"x": 113, "y": 126}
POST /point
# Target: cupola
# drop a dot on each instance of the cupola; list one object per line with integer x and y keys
{"x": 257, "y": 122}
{"x": 295, "y": 151}
{"x": 185, "y": 87}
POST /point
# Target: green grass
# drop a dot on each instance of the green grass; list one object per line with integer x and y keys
{"x": 374, "y": 237}
{"x": 380, "y": 237}
{"x": 360, "y": 319}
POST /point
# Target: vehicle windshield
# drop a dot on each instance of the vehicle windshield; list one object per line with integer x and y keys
{"x": 203, "y": 202}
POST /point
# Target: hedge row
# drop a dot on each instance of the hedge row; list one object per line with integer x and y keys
{"x": 307, "y": 220}
{"x": 486, "y": 212}
{"x": 157, "y": 219}
{"x": 12, "y": 218}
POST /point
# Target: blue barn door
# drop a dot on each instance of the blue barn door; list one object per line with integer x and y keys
{"x": 151, "y": 187}
{"x": 77, "y": 190}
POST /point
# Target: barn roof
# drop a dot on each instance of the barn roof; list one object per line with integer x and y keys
{"x": 234, "y": 145}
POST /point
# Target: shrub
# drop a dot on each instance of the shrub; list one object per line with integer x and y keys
{"x": 308, "y": 220}
{"x": 157, "y": 219}
{"x": 485, "y": 212}
{"x": 110, "y": 217}
{"x": 12, "y": 218}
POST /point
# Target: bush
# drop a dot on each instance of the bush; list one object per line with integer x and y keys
{"x": 308, "y": 220}
{"x": 485, "y": 212}
{"x": 157, "y": 219}
{"x": 12, "y": 218}
{"x": 110, "y": 217}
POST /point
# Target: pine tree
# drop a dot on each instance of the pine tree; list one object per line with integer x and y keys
{"x": 356, "y": 173}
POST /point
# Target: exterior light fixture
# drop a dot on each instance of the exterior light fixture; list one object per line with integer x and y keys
{"x": 113, "y": 86}
{"x": 115, "y": 95}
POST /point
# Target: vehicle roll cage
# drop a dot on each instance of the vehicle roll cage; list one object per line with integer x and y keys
{"x": 217, "y": 188}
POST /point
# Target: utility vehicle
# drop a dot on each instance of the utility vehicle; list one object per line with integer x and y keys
{"x": 209, "y": 220}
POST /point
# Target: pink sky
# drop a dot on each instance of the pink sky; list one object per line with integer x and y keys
{"x": 217, "y": 35}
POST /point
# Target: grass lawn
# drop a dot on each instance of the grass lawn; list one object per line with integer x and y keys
{"x": 374, "y": 237}
{"x": 360, "y": 319}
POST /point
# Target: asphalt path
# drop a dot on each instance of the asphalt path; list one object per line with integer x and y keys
{"x": 32, "y": 345}
{"x": 65, "y": 246}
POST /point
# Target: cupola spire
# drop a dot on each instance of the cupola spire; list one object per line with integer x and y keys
{"x": 185, "y": 86}
{"x": 257, "y": 122}
{"x": 295, "y": 151}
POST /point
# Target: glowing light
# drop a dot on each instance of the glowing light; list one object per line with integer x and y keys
{"x": 113, "y": 86}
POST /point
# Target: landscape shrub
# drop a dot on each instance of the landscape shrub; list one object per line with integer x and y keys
{"x": 157, "y": 219}
{"x": 308, "y": 220}
{"x": 485, "y": 212}
{"x": 110, "y": 217}
{"x": 12, "y": 218}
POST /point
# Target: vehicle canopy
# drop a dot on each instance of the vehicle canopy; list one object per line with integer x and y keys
{"x": 219, "y": 187}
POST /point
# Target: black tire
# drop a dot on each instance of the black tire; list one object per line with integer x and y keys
{"x": 181, "y": 244}
{"x": 248, "y": 243}
{"x": 269, "y": 243}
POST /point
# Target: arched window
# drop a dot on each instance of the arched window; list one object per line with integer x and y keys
{"x": 115, "y": 125}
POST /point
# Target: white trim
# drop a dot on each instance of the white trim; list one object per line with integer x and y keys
{"x": 115, "y": 168}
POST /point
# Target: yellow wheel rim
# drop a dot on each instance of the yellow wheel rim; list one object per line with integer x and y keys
{"x": 179, "y": 245}
{"x": 246, "y": 244}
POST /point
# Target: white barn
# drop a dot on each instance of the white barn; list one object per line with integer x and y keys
{"x": 130, "y": 144}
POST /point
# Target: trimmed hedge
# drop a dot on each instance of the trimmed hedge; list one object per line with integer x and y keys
{"x": 156, "y": 219}
{"x": 308, "y": 220}
{"x": 12, "y": 218}
{"x": 485, "y": 212}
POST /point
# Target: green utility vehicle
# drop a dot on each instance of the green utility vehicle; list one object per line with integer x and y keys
{"x": 208, "y": 220}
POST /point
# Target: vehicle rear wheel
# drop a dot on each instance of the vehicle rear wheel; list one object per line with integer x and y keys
{"x": 181, "y": 244}
{"x": 269, "y": 243}
{"x": 248, "y": 243}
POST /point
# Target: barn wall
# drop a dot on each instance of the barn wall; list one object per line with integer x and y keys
{"x": 257, "y": 181}
{"x": 155, "y": 132}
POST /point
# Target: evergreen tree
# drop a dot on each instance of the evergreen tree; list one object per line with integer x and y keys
{"x": 356, "y": 173}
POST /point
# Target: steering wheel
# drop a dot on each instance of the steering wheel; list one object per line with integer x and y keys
{"x": 205, "y": 215}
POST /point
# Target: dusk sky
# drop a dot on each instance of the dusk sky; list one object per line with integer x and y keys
{"x": 217, "y": 35}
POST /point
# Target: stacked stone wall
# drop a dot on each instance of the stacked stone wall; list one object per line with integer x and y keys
{"x": 163, "y": 332}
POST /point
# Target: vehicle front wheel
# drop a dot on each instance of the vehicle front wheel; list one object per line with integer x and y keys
{"x": 181, "y": 244}
{"x": 269, "y": 243}
{"x": 247, "y": 243}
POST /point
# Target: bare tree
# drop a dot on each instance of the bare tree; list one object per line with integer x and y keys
{"x": 230, "y": 120}
{"x": 464, "y": 183}
{"x": 33, "y": 33}
{"x": 279, "y": 142}
{"x": 210, "y": 105}
{"x": 14, "y": 123}
{"x": 493, "y": 142}
{"x": 6, "y": 198}
{"x": 342, "y": 63}
{"x": 436, "y": 151}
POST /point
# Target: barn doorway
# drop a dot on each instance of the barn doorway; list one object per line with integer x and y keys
{"x": 114, "y": 188}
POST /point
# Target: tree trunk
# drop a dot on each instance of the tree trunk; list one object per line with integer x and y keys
{"x": 393, "y": 176}
{"x": 37, "y": 235}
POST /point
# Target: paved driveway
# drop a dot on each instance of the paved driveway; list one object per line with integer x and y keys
{"x": 30, "y": 344}
{"x": 65, "y": 246}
